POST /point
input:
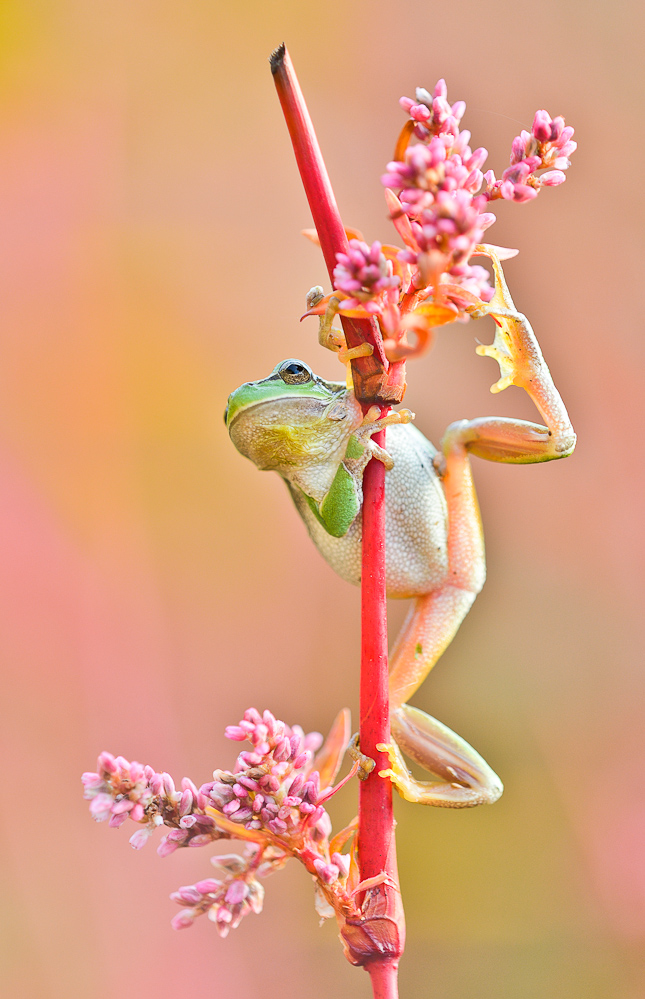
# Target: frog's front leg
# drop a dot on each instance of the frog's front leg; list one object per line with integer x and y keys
{"x": 341, "y": 504}
{"x": 330, "y": 338}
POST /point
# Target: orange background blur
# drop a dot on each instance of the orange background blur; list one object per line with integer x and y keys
{"x": 154, "y": 584}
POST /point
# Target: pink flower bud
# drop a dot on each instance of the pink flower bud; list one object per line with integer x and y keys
{"x": 296, "y": 784}
{"x": 342, "y": 863}
{"x": 187, "y": 785}
{"x": 136, "y": 772}
{"x": 440, "y": 90}
{"x": 242, "y": 815}
{"x": 166, "y": 847}
{"x": 420, "y": 112}
{"x": 168, "y": 784}
{"x": 202, "y": 840}
{"x": 317, "y": 814}
{"x": 542, "y": 126}
{"x": 186, "y": 802}
{"x": 302, "y": 760}
{"x": 208, "y": 886}
{"x": 183, "y": 919}
{"x": 101, "y": 807}
{"x": 106, "y": 762}
{"x": 517, "y": 150}
{"x": 188, "y": 894}
{"x": 556, "y": 128}
{"x": 91, "y": 781}
{"x": 522, "y": 193}
{"x": 478, "y": 158}
{"x": 156, "y": 784}
{"x": 568, "y": 148}
{"x": 458, "y": 110}
{"x": 140, "y": 838}
{"x": 326, "y": 872}
{"x": 236, "y": 892}
{"x": 552, "y": 178}
{"x": 246, "y": 783}
{"x": 282, "y": 750}
{"x": 485, "y": 220}
{"x": 235, "y": 732}
{"x": 122, "y": 806}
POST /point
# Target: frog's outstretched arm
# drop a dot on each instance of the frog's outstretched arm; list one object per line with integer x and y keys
{"x": 434, "y": 618}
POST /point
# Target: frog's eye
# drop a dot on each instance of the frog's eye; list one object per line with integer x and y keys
{"x": 294, "y": 373}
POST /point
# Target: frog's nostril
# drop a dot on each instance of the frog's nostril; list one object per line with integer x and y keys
{"x": 226, "y": 415}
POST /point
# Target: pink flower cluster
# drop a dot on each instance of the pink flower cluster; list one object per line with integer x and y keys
{"x": 438, "y": 183}
{"x": 432, "y": 114}
{"x": 363, "y": 274}
{"x": 228, "y": 898}
{"x": 436, "y": 195}
{"x": 273, "y": 787}
{"x": 546, "y": 147}
{"x": 120, "y": 790}
{"x": 273, "y": 794}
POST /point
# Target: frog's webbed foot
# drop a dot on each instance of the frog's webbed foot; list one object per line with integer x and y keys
{"x": 330, "y": 338}
{"x": 467, "y": 780}
{"x": 517, "y": 351}
{"x": 515, "y": 347}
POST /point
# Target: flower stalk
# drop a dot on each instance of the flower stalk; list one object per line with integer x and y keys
{"x": 370, "y": 373}
{"x": 376, "y": 938}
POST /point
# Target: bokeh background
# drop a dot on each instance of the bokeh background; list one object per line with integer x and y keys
{"x": 154, "y": 584}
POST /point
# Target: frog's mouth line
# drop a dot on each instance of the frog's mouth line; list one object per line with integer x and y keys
{"x": 283, "y": 396}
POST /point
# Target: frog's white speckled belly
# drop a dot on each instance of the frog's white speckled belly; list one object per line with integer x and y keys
{"x": 416, "y": 521}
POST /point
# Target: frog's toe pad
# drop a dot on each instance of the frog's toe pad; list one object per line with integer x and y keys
{"x": 397, "y": 772}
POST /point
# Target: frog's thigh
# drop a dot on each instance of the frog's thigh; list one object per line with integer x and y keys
{"x": 466, "y": 778}
{"x": 435, "y": 617}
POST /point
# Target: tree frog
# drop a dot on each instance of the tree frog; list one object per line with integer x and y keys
{"x": 314, "y": 434}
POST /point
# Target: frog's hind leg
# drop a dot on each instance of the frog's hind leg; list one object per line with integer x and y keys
{"x": 430, "y": 627}
{"x": 466, "y": 778}
{"x": 436, "y": 617}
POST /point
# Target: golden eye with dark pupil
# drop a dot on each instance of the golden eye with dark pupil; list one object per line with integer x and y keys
{"x": 294, "y": 373}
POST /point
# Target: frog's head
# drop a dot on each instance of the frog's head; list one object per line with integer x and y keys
{"x": 292, "y": 418}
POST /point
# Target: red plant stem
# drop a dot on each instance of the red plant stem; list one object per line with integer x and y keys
{"x": 376, "y": 845}
{"x": 375, "y": 802}
{"x": 376, "y": 839}
{"x": 384, "y": 979}
{"x": 369, "y": 371}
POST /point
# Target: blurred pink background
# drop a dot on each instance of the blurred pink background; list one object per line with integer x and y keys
{"x": 154, "y": 584}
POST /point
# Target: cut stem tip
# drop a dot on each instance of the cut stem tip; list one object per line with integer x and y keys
{"x": 276, "y": 58}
